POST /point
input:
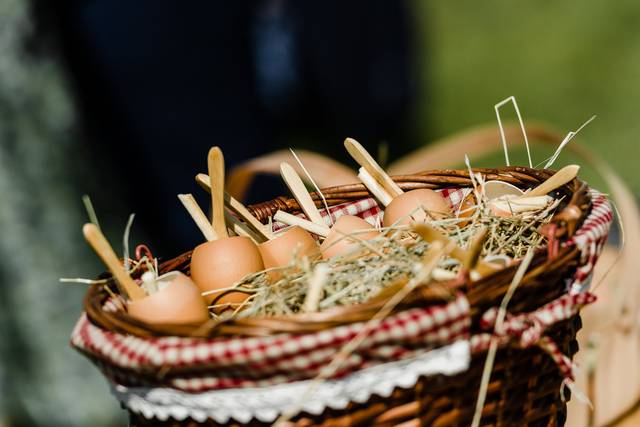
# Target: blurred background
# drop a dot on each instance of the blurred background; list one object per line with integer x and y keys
{"x": 122, "y": 100}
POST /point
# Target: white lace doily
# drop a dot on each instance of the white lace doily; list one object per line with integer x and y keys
{"x": 267, "y": 403}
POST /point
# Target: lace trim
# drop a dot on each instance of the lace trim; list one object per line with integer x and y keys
{"x": 267, "y": 403}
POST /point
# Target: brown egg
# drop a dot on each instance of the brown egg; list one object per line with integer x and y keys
{"x": 176, "y": 302}
{"x": 278, "y": 251}
{"x": 220, "y": 263}
{"x": 407, "y": 203}
{"x": 336, "y": 243}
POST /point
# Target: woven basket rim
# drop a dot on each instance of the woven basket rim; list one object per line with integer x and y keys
{"x": 575, "y": 193}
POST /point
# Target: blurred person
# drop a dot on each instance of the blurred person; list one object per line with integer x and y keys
{"x": 159, "y": 82}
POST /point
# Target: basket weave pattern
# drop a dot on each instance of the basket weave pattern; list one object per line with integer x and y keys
{"x": 525, "y": 383}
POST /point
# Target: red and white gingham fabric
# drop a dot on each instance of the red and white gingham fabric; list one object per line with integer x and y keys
{"x": 527, "y": 329}
{"x": 254, "y": 362}
{"x": 591, "y": 238}
{"x": 261, "y": 361}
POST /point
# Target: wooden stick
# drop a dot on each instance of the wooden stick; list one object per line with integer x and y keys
{"x": 103, "y": 249}
{"x": 313, "y": 182}
{"x": 519, "y": 205}
{"x": 215, "y": 162}
{"x": 300, "y": 193}
{"x": 311, "y": 227}
{"x": 262, "y": 231}
{"x": 238, "y": 208}
{"x": 374, "y": 187}
{"x": 241, "y": 228}
{"x": 558, "y": 179}
{"x": 198, "y": 216}
{"x": 430, "y": 234}
{"x": 314, "y": 292}
{"x": 365, "y": 160}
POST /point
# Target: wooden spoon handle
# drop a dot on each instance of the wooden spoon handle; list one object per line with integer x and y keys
{"x": 241, "y": 228}
{"x": 558, "y": 179}
{"x": 311, "y": 227}
{"x": 238, "y": 208}
{"x": 374, "y": 187}
{"x": 215, "y": 162}
{"x": 365, "y": 160}
{"x": 300, "y": 193}
{"x": 198, "y": 216}
{"x": 103, "y": 249}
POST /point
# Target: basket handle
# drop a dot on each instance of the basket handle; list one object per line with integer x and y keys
{"x": 481, "y": 141}
{"x": 475, "y": 142}
{"x": 326, "y": 172}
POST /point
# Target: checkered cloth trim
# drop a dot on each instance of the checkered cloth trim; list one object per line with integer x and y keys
{"x": 527, "y": 329}
{"x": 591, "y": 238}
{"x": 261, "y": 361}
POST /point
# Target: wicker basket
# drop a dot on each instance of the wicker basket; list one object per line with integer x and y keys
{"x": 525, "y": 387}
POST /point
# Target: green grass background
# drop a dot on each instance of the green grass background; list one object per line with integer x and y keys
{"x": 564, "y": 61}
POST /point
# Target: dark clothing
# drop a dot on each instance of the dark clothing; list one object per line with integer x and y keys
{"x": 159, "y": 82}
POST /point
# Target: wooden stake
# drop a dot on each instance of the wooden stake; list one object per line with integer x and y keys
{"x": 558, "y": 179}
{"x": 518, "y": 205}
{"x": 215, "y": 162}
{"x": 314, "y": 292}
{"x": 198, "y": 216}
{"x": 239, "y": 209}
{"x": 300, "y": 193}
{"x": 374, "y": 187}
{"x": 365, "y": 160}
{"x": 241, "y": 228}
{"x": 311, "y": 227}
{"x": 103, "y": 249}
